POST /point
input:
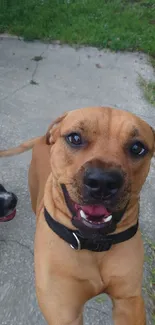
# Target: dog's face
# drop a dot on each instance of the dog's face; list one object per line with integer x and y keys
{"x": 100, "y": 157}
{"x": 8, "y": 202}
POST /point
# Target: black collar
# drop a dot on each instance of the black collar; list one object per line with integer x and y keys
{"x": 76, "y": 241}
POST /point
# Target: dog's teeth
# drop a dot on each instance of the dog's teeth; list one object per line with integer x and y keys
{"x": 108, "y": 218}
{"x": 82, "y": 214}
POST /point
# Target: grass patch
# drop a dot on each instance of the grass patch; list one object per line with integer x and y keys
{"x": 101, "y": 298}
{"x": 114, "y": 24}
{"x": 148, "y": 88}
{"x": 152, "y": 61}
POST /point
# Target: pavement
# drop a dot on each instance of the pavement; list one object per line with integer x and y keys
{"x": 37, "y": 83}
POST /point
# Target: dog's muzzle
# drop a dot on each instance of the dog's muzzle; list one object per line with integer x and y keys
{"x": 101, "y": 184}
{"x": 92, "y": 219}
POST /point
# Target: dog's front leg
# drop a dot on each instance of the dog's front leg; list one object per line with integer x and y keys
{"x": 59, "y": 306}
{"x": 129, "y": 311}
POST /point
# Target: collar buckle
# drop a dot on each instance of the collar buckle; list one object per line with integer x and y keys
{"x": 77, "y": 247}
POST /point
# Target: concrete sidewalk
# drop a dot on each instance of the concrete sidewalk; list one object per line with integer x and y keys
{"x": 37, "y": 83}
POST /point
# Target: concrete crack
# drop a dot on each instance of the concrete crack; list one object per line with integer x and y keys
{"x": 15, "y": 91}
{"x": 33, "y": 82}
{"x": 17, "y": 242}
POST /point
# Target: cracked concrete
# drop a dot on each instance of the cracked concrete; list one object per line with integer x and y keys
{"x": 18, "y": 243}
{"x": 66, "y": 78}
{"x": 37, "y": 59}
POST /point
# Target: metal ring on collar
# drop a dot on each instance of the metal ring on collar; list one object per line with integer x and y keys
{"x": 78, "y": 243}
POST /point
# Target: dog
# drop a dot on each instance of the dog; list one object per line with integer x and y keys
{"x": 8, "y": 202}
{"x": 85, "y": 179}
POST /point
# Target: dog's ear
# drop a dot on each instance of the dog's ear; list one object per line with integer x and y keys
{"x": 52, "y": 128}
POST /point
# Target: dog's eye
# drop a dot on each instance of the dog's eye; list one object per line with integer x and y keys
{"x": 74, "y": 139}
{"x": 138, "y": 149}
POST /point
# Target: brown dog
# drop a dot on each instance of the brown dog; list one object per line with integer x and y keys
{"x": 85, "y": 178}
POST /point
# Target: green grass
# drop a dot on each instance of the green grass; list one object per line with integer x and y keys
{"x": 101, "y": 298}
{"x": 152, "y": 61}
{"x": 148, "y": 90}
{"x": 114, "y": 24}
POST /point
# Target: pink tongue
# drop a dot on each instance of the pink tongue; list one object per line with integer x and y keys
{"x": 91, "y": 210}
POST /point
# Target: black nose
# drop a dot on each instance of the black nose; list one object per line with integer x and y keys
{"x": 102, "y": 184}
{"x": 13, "y": 201}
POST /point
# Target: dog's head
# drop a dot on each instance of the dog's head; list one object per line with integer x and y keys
{"x": 8, "y": 202}
{"x": 100, "y": 158}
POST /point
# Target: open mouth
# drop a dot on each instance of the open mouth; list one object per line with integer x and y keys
{"x": 11, "y": 214}
{"x": 92, "y": 216}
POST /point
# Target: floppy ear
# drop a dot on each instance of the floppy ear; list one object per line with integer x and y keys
{"x": 52, "y": 127}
